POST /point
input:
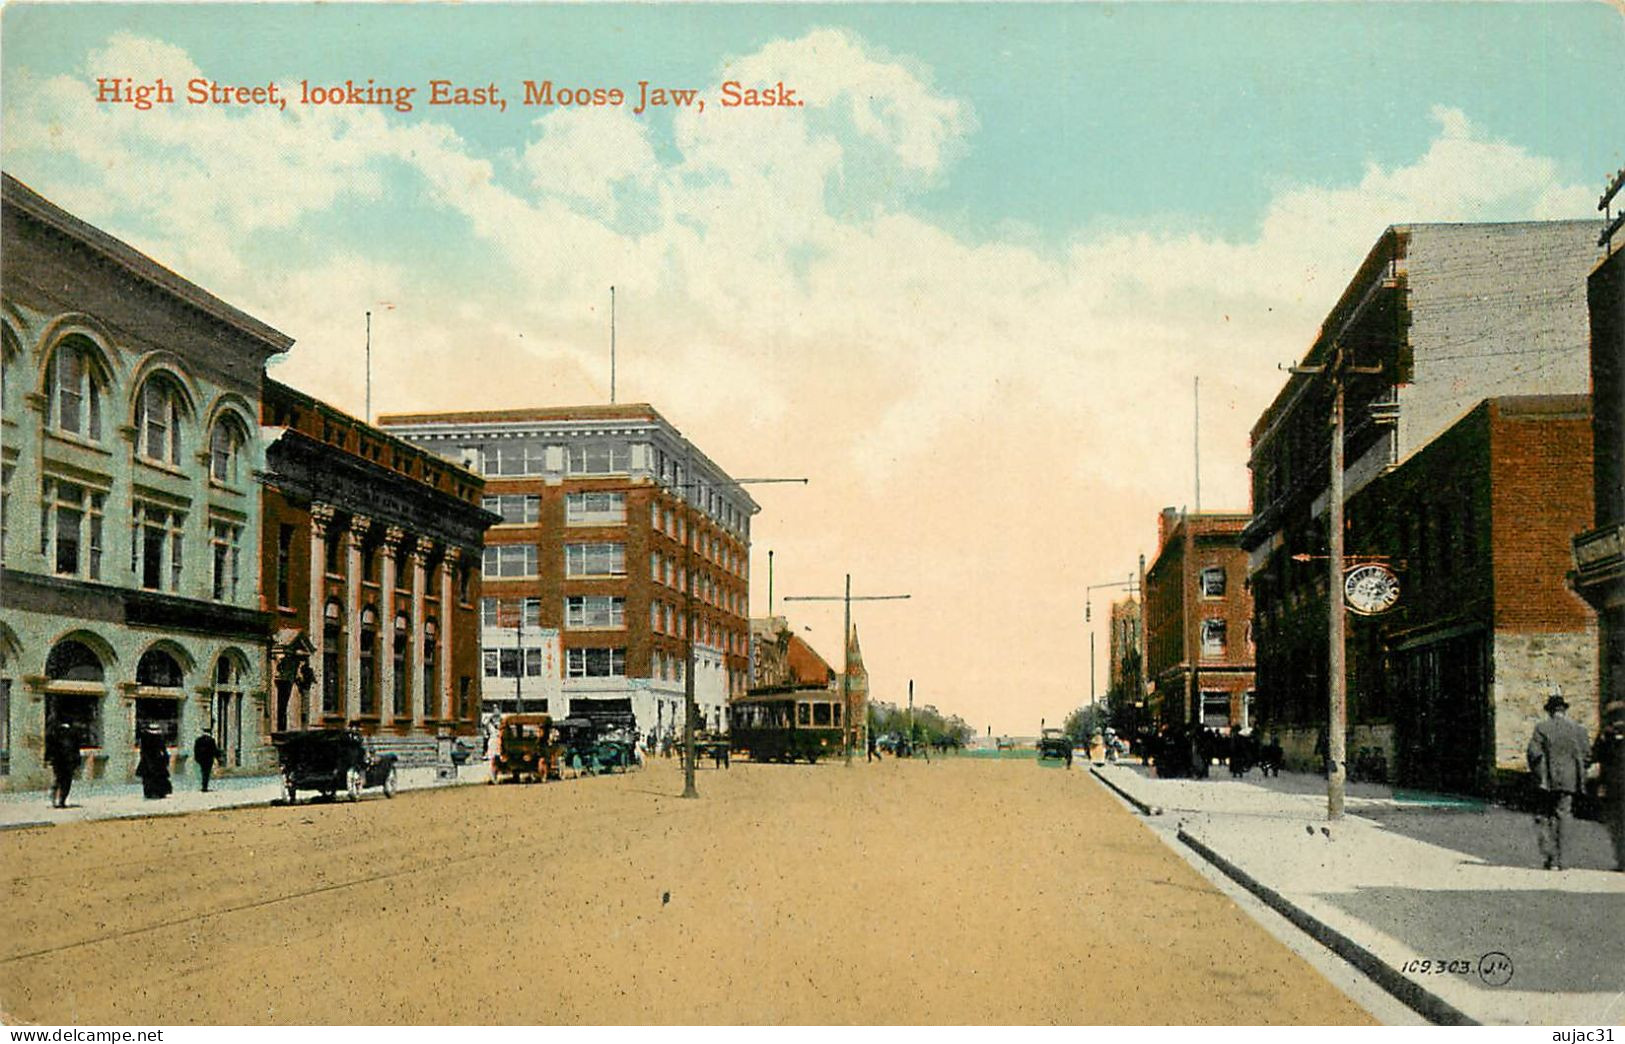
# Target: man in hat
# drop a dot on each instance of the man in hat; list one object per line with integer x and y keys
{"x": 62, "y": 754}
{"x": 1609, "y": 755}
{"x": 1557, "y": 761}
{"x": 205, "y": 751}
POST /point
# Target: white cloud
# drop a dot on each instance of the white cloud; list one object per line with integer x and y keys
{"x": 785, "y": 319}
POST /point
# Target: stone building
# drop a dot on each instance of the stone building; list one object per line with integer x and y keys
{"x": 130, "y": 435}
{"x": 1198, "y": 622}
{"x": 616, "y": 533}
{"x": 1443, "y": 317}
{"x": 371, "y": 557}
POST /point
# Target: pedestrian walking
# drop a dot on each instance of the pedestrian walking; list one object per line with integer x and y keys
{"x": 62, "y": 754}
{"x": 205, "y": 751}
{"x": 1609, "y": 756}
{"x": 874, "y": 755}
{"x": 153, "y": 766}
{"x": 1557, "y": 757}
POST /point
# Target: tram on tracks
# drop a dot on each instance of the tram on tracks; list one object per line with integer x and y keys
{"x": 787, "y": 724}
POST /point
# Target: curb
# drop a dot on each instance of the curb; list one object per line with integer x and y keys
{"x": 1145, "y": 809}
{"x": 1419, "y": 1000}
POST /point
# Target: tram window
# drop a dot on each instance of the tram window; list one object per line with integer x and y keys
{"x": 836, "y": 707}
{"x": 821, "y": 713}
{"x": 803, "y": 713}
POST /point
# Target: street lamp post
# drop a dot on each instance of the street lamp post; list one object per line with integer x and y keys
{"x": 846, "y": 638}
{"x": 1128, "y": 585}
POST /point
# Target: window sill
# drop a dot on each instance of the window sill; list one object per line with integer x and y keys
{"x": 163, "y": 467}
{"x": 217, "y": 486}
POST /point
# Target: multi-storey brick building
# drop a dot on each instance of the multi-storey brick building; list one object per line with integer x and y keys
{"x": 1448, "y": 684}
{"x": 371, "y": 557}
{"x": 1198, "y": 622}
{"x": 611, "y": 522}
{"x": 129, "y": 445}
{"x": 1125, "y": 690}
{"x": 1446, "y": 316}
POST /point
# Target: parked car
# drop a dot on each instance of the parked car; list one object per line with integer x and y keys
{"x": 1055, "y": 744}
{"x": 332, "y": 760}
{"x": 527, "y": 748}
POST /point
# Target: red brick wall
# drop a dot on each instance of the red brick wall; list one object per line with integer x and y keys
{"x": 1540, "y": 495}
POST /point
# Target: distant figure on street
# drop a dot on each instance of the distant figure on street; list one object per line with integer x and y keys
{"x": 1273, "y": 757}
{"x": 153, "y": 767}
{"x": 1557, "y": 759}
{"x": 62, "y": 754}
{"x": 205, "y": 751}
{"x": 1609, "y": 755}
{"x": 874, "y": 755}
{"x": 1323, "y": 751}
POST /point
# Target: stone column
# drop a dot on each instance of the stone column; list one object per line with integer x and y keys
{"x": 353, "y": 537}
{"x": 394, "y": 537}
{"x": 416, "y": 697}
{"x": 321, "y": 521}
{"x": 448, "y": 607}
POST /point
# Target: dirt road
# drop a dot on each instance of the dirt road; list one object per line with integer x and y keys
{"x": 953, "y": 892}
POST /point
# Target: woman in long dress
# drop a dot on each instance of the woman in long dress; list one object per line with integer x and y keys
{"x": 153, "y": 768}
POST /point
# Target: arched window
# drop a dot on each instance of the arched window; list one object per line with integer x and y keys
{"x": 226, "y": 443}
{"x": 431, "y": 682}
{"x": 73, "y": 691}
{"x": 369, "y": 671}
{"x": 332, "y": 644}
{"x": 159, "y": 684}
{"x": 230, "y": 676}
{"x": 159, "y": 670}
{"x": 74, "y": 384}
{"x": 73, "y": 661}
{"x": 160, "y": 410}
{"x": 402, "y": 638}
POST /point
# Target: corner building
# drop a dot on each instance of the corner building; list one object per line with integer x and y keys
{"x": 129, "y": 449}
{"x": 371, "y": 565}
{"x": 617, "y": 534}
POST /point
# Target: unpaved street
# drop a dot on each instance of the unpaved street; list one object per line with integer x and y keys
{"x": 954, "y": 892}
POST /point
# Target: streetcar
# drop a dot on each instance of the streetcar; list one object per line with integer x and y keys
{"x": 786, "y": 724}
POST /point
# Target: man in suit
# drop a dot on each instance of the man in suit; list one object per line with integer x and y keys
{"x": 205, "y": 752}
{"x": 1557, "y": 761}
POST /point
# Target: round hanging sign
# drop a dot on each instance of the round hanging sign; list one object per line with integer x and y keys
{"x": 1370, "y": 589}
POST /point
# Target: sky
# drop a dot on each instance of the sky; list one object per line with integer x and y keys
{"x": 965, "y": 287}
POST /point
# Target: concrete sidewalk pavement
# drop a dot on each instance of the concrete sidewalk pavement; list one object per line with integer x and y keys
{"x": 1441, "y": 901}
{"x": 32, "y": 808}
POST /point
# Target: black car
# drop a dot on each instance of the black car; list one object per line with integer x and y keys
{"x": 332, "y": 760}
{"x": 1053, "y": 743}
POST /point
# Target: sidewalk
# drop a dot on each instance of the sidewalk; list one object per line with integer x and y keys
{"x": 32, "y": 808}
{"x": 1406, "y": 878}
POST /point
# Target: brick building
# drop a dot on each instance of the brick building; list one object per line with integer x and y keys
{"x": 1448, "y": 684}
{"x": 370, "y": 557}
{"x": 129, "y": 444}
{"x": 1449, "y": 315}
{"x": 780, "y": 658}
{"x": 1599, "y": 552}
{"x": 609, "y": 516}
{"x": 1125, "y": 692}
{"x": 1198, "y": 622}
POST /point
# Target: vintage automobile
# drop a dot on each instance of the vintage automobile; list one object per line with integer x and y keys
{"x": 1055, "y": 744}
{"x": 526, "y": 748}
{"x": 329, "y": 761}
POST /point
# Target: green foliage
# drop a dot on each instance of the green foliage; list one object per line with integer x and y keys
{"x": 930, "y": 724}
{"x": 1085, "y": 722}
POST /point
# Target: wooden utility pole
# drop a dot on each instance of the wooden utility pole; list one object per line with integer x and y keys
{"x": 846, "y": 648}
